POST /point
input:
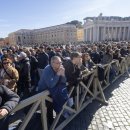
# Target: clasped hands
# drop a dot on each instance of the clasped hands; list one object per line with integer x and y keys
{"x": 61, "y": 71}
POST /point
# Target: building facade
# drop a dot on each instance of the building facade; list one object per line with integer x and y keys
{"x": 103, "y": 28}
{"x": 23, "y": 37}
{"x": 80, "y": 34}
{"x": 4, "y": 41}
{"x": 59, "y": 34}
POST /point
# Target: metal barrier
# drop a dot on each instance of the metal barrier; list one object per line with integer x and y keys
{"x": 88, "y": 89}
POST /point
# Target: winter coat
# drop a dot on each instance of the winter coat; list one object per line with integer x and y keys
{"x": 56, "y": 85}
{"x": 43, "y": 60}
{"x": 10, "y": 74}
{"x": 95, "y": 56}
{"x": 8, "y": 98}
{"x": 107, "y": 58}
{"x": 33, "y": 63}
{"x": 72, "y": 72}
{"x": 51, "y": 54}
{"x": 66, "y": 53}
{"x": 24, "y": 70}
{"x": 49, "y": 79}
{"x": 89, "y": 64}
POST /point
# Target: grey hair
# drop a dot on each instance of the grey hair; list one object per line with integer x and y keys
{"x": 54, "y": 58}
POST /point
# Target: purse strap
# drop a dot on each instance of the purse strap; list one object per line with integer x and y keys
{"x": 7, "y": 73}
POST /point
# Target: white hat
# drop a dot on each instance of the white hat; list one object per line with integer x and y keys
{"x": 22, "y": 55}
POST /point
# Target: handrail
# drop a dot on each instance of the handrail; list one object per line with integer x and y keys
{"x": 32, "y": 100}
{"x": 93, "y": 87}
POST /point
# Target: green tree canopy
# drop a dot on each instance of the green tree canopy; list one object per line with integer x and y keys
{"x": 77, "y": 23}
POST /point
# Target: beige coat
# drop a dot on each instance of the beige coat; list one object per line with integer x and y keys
{"x": 9, "y": 81}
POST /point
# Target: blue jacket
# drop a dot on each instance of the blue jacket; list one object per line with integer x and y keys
{"x": 56, "y": 85}
{"x": 49, "y": 79}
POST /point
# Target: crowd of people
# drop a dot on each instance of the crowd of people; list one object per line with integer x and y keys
{"x": 25, "y": 71}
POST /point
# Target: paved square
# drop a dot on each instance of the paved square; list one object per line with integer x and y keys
{"x": 115, "y": 116}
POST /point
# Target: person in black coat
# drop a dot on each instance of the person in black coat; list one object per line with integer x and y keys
{"x": 95, "y": 56}
{"x": 50, "y": 53}
{"x": 124, "y": 51}
{"x": 34, "y": 68}
{"x": 24, "y": 83}
{"x": 8, "y": 101}
{"x": 87, "y": 62}
{"x": 42, "y": 57}
{"x": 72, "y": 69}
{"x": 67, "y": 51}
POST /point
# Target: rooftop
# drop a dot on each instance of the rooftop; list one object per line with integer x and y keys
{"x": 108, "y": 18}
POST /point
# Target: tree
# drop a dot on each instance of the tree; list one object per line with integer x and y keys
{"x": 77, "y": 23}
{"x": 1, "y": 39}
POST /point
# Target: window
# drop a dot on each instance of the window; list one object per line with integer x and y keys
{"x": 19, "y": 40}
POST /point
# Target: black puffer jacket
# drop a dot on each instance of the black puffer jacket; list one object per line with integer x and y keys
{"x": 8, "y": 98}
{"x": 43, "y": 60}
{"x": 24, "y": 70}
{"x": 72, "y": 72}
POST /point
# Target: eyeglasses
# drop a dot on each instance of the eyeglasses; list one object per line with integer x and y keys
{"x": 5, "y": 63}
{"x": 58, "y": 63}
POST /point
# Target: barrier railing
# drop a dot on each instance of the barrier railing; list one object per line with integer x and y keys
{"x": 35, "y": 101}
{"x": 88, "y": 89}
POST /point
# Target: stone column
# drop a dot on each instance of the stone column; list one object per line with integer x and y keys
{"x": 124, "y": 30}
{"x": 119, "y": 34}
{"x": 104, "y": 33}
{"x": 109, "y": 35}
{"x": 85, "y": 35}
{"x": 97, "y": 33}
{"x": 116, "y": 36}
{"x": 128, "y": 36}
{"x": 112, "y": 34}
{"x": 90, "y": 34}
{"x": 94, "y": 33}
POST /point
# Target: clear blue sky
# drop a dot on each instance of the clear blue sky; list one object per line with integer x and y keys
{"x": 32, "y": 14}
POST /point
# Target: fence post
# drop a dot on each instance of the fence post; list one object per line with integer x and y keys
{"x": 43, "y": 114}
